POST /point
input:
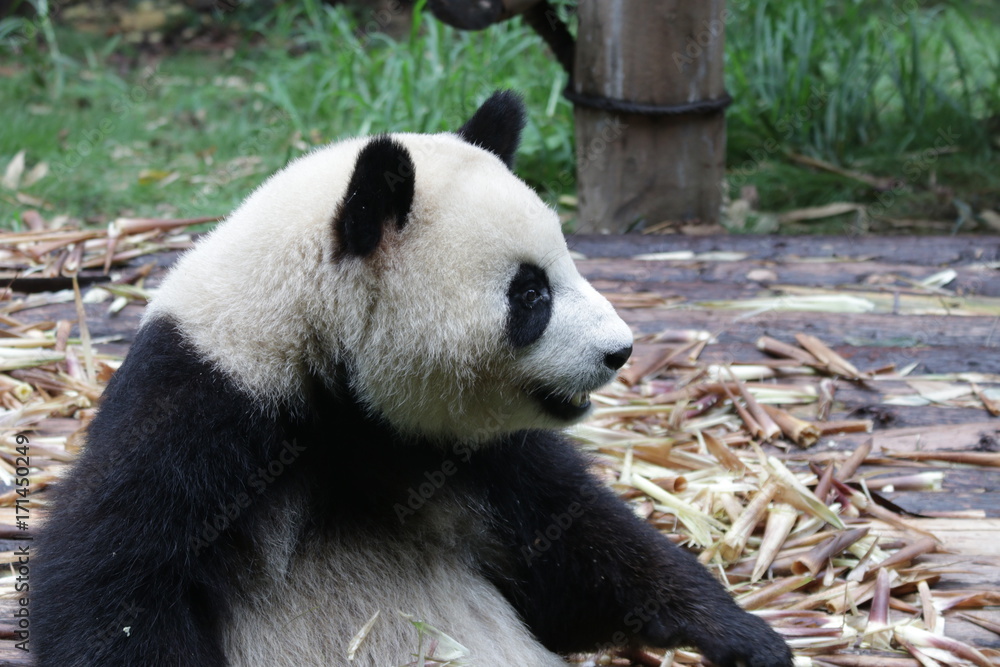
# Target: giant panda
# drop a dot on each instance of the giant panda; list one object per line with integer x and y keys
{"x": 337, "y": 435}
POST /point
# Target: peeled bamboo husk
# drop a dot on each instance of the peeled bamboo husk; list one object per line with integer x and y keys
{"x": 683, "y": 441}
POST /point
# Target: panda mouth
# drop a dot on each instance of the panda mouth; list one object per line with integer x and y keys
{"x": 562, "y": 406}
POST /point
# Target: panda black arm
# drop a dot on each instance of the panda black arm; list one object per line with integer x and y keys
{"x": 132, "y": 561}
{"x": 580, "y": 566}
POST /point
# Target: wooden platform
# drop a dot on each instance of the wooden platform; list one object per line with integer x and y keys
{"x": 951, "y": 332}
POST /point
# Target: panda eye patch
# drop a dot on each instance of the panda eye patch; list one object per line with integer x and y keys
{"x": 529, "y": 305}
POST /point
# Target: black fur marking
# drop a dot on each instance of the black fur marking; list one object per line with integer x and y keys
{"x": 380, "y": 193}
{"x": 529, "y": 302}
{"x": 496, "y": 126}
{"x": 176, "y": 444}
{"x": 584, "y": 572}
{"x": 172, "y": 444}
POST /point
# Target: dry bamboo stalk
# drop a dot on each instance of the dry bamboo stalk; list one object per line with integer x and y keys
{"x": 852, "y": 660}
{"x": 88, "y": 350}
{"x": 129, "y": 226}
{"x": 20, "y": 390}
{"x": 774, "y": 387}
{"x": 39, "y": 250}
{"x": 735, "y": 539}
{"x": 837, "y": 599}
{"x": 845, "y": 426}
{"x": 123, "y": 256}
{"x": 909, "y": 552}
{"x": 927, "y": 608}
{"x": 63, "y": 330}
{"x": 781, "y": 565}
{"x": 693, "y": 350}
{"x": 786, "y": 366}
{"x": 795, "y": 493}
{"x": 683, "y": 394}
{"x": 923, "y": 638}
{"x": 769, "y": 429}
{"x": 825, "y": 484}
{"x": 779, "y": 524}
{"x": 991, "y": 459}
{"x": 862, "y": 503}
{"x": 777, "y": 348}
{"x": 646, "y": 361}
{"x": 878, "y": 615}
{"x": 817, "y": 558}
{"x": 922, "y": 658}
{"x": 982, "y": 622}
{"x": 854, "y": 461}
{"x": 720, "y": 450}
{"x": 953, "y": 599}
{"x": 991, "y": 406}
{"x": 730, "y": 505}
{"x": 802, "y": 433}
{"x": 860, "y": 570}
{"x": 752, "y": 426}
{"x": 652, "y": 454}
{"x": 833, "y": 361}
{"x": 762, "y": 596}
{"x": 73, "y": 259}
{"x": 672, "y": 484}
{"x": 827, "y": 388}
{"x": 921, "y": 481}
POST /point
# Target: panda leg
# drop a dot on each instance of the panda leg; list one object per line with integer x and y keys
{"x": 585, "y": 573}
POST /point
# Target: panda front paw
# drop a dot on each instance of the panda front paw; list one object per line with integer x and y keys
{"x": 744, "y": 642}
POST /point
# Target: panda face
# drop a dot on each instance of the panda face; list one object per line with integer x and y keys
{"x": 419, "y": 268}
{"x": 482, "y": 323}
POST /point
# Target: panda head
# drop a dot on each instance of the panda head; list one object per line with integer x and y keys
{"x": 477, "y": 320}
{"x": 418, "y": 271}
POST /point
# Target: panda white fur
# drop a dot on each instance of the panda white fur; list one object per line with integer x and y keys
{"x": 341, "y": 404}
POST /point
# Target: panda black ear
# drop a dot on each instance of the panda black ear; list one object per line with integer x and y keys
{"x": 496, "y": 126}
{"x": 380, "y": 193}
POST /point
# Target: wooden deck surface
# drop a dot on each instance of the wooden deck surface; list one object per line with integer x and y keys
{"x": 681, "y": 286}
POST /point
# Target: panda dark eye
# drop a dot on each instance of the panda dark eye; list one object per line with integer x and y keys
{"x": 530, "y": 305}
{"x": 531, "y": 296}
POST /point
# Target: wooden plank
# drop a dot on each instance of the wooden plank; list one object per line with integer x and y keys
{"x": 646, "y": 275}
{"x": 920, "y": 250}
{"x": 924, "y": 502}
{"x": 748, "y": 326}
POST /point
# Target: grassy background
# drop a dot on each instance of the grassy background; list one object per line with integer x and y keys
{"x": 903, "y": 94}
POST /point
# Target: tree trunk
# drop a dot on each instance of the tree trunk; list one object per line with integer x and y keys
{"x": 636, "y": 170}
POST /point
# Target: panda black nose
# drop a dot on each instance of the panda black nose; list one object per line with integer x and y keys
{"x": 615, "y": 360}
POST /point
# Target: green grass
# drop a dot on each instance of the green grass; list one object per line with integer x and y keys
{"x": 192, "y": 136}
{"x": 867, "y": 85}
{"x": 872, "y": 85}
